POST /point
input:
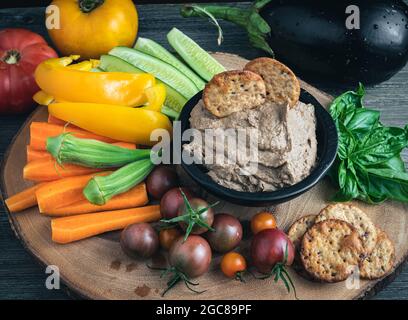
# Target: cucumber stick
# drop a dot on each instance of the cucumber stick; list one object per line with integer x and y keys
{"x": 174, "y": 99}
{"x": 161, "y": 70}
{"x": 196, "y": 57}
{"x": 114, "y": 64}
{"x": 154, "y": 49}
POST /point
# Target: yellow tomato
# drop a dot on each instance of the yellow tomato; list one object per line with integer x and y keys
{"x": 91, "y": 28}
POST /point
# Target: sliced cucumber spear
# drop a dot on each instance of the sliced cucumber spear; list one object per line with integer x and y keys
{"x": 154, "y": 49}
{"x": 171, "y": 113}
{"x": 174, "y": 100}
{"x": 115, "y": 64}
{"x": 161, "y": 70}
{"x": 196, "y": 57}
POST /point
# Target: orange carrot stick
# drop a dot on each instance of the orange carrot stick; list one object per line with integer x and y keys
{"x": 33, "y": 154}
{"x": 24, "y": 199}
{"x": 49, "y": 170}
{"x": 70, "y": 229}
{"x": 40, "y": 131}
{"x": 135, "y": 197}
{"x": 63, "y": 192}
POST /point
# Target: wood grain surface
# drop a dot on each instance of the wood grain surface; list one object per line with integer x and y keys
{"x": 21, "y": 277}
{"x": 96, "y": 268}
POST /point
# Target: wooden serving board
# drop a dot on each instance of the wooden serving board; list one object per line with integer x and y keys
{"x": 96, "y": 268}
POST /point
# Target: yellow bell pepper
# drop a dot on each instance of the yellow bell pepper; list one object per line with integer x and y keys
{"x": 68, "y": 84}
{"x": 156, "y": 96}
{"x": 44, "y": 99}
{"x": 120, "y": 123}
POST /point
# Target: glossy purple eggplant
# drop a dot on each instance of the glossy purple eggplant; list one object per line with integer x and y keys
{"x": 313, "y": 38}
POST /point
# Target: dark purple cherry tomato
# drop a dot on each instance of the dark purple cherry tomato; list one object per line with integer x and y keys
{"x": 139, "y": 240}
{"x": 227, "y": 233}
{"x": 191, "y": 257}
{"x": 268, "y": 248}
{"x": 161, "y": 180}
{"x": 171, "y": 201}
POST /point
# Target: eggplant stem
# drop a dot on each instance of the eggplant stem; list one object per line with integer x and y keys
{"x": 257, "y": 28}
{"x": 260, "y": 4}
{"x": 214, "y": 21}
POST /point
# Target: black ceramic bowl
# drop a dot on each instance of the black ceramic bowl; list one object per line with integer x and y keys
{"x": 326, "y": 150}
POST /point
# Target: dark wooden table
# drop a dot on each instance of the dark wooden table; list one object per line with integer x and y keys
{"x": 21, "y": 277}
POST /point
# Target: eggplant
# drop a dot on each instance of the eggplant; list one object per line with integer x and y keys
{"x": 312, "y": 37}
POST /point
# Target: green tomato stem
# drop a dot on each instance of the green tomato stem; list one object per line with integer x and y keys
{"x": 192, "y": 217}
{"x": 12, "y": 57}
{"x": 87, "y": 6}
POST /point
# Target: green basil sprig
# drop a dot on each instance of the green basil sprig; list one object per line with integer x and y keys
{"x": 368, "y": 165}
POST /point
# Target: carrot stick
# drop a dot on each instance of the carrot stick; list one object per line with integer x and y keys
{"x": 24, "y": 199}
{"x": 62, "y": 192}
{"x": 135, "y": 197}
{"x": 40, "y": 131}
{"x": 49, "y": 170}
{"x": 33, "y": 154}
{"x": 70, "y": 229}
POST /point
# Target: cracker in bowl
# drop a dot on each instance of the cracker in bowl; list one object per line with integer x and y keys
{"x": 282, "y": 86}
{"x": 233, "y": 91}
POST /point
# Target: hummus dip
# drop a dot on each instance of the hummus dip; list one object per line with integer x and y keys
{"x": 285, "y": 144}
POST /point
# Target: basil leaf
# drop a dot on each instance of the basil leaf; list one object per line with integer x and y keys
{"x": 347, "y": 142}
{"x": 395, "y": 163}
{"x": 363, "y": 121}
{"x": 387, "y": 182}
{"x": 343, "y": 107}
{"x": 342, "y": 174}
{"x": 382, "y": 144}
{"x": 372, "y": 200}
{"x": 368, "y": 165}
{"x": 363, "y": 181}
{"x": 349, "y": 191}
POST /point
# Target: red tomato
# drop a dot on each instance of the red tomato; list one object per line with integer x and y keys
{"x": 20, "y": 52}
